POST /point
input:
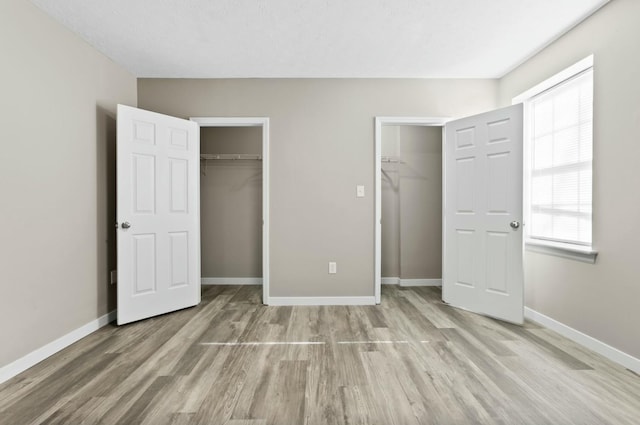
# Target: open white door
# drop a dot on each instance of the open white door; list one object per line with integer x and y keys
{"x": 483, "y": 213}
{"x": 158, "y": 214}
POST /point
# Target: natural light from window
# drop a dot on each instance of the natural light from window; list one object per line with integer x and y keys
{"x": 558, "y": 163}
{"x": 560, "y": 160}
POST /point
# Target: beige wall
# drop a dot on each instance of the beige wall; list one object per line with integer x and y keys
{"x": 601, "y": 300}
{"x": 421, "y": 202}
{"x": 231, "y": 203}
{"x": 56, "y": 179}
{"x": 243, "y": 140}
{"x": 321, "y": 148}
{"x": 390, "y": 203}
{"x": 412, "y": 202}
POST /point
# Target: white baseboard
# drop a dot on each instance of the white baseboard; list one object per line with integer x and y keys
{"x": 585, "y": 340}
{"x": 18, "y": 366}
{"x": 420, "y": 282}
{"x": 322, "y": 301}
{"x": 231, "y": 281}
{"x": 410, "y": 282}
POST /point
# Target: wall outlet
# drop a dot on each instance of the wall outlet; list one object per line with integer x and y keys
{"x": 333, "y": 267}
{"x": 113, "y": 276}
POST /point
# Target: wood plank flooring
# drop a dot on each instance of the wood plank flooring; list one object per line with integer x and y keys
{"x": 411, "y": 360}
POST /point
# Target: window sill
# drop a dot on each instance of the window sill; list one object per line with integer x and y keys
{"x": 572, "y": 252}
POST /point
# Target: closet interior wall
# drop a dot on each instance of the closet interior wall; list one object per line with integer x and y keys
{"x": 411, "y": 202}
{"x": 231, "y": 204}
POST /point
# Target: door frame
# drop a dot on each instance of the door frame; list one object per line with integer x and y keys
{"x": 379, "y": 123}
{"x": 262, "y": 122}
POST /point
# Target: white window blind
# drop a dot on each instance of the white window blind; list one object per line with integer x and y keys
{"x": 560, "y": 161}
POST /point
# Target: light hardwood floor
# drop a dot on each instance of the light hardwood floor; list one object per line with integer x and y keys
{"x": 411, "y": 360}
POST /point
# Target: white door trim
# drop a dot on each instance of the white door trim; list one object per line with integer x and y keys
{"x": 253, "y": 122}
{"x": 380, "y": 122}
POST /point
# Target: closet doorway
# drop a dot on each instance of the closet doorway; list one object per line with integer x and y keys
{"x": 234, "y": 201}
{"x": 408, "y": 196}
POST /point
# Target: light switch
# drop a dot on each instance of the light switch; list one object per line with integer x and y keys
{"x": 333, "y": 267}
{"x": 360, "y": 191}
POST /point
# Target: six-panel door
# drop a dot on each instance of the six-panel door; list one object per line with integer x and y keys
{"x": 483, "y": 212}
{"x": 158, "y": 214}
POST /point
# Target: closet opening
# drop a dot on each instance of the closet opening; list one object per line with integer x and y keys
{"x": 409, "y": 188}
{"x": 234, "y": 202}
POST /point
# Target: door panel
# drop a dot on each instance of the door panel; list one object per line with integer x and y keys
{"x": 179, "y": 260}
{"x": 179, "y": 185}
{"x": 465, "y": 194}
{"x": 144, "y": 191}
{"x": 497, "y": 256}
{"x": 465, "y": 258}
{"x": 483, "y": 195}
{"x": 144, "y": 264}
{"x": 158, "y": 214}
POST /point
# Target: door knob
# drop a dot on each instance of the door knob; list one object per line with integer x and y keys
{"x": 126, "y": 225}
{"x": 514, "y": 224}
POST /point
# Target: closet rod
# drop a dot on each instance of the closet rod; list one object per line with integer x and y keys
{"x": 390, "y": 159}
{"x": 231, "y": 156}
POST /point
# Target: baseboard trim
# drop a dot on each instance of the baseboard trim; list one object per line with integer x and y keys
{"x": 410, "y": 282}
{"x": 420, "y": 282}
{"x": 18, "y": 366}
{"x": 390, "y": 280}
{"x": 231, "y": 281}
{"x": 281, "y": 301}
{"x": 585, "y": 340}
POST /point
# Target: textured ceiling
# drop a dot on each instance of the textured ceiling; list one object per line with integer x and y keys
{"x": 319, "y": 38}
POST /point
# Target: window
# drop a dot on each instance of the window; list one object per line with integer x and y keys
{"x": 558, "y": 159}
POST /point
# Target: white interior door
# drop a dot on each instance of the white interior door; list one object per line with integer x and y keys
{"x": 483, "y": 213}
{"x": 158, "y": 214}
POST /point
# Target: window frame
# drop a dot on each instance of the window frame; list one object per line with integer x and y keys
{"x": 576, "y": 251}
